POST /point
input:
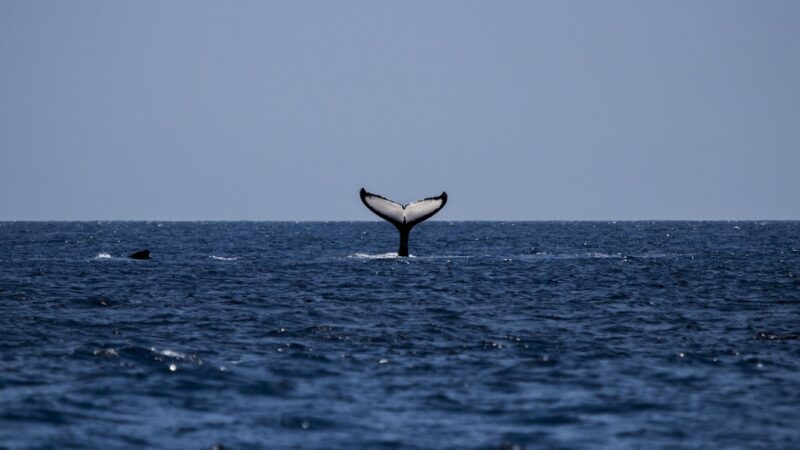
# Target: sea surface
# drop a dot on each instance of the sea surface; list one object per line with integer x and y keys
{"x": 314, "y": 335}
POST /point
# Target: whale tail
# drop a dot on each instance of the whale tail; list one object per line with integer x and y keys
{"x": 403, "y": 217}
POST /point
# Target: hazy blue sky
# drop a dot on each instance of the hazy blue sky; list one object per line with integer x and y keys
{"x": 283, "y": 110}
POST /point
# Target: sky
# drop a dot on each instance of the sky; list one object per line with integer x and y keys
{"x": 283, "y": 110}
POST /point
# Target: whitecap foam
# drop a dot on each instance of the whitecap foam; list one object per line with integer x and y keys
{"x": 170, "y": 353}
{"x": 602, "y": 255}
{"x": 223, "y": 258}
{"x": 172, "y": 357}
{"x": 377, "y": 256}
{"x": 448, "y": 257}
{"x": 102, "y": 255}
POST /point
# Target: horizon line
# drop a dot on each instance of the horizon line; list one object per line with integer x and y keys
{"x": 380, "y": 221}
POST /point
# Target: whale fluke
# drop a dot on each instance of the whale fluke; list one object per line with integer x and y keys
{"x": 403, "y": 217}
{"x": 141, "y": 254}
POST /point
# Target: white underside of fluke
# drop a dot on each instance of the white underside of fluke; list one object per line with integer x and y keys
{"x": 410, "y": 214}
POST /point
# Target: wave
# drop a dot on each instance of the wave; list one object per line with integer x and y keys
{"x": 530, "y": 256}
{"x": 392, "y": 255}
{"x": 601, "y": 255}
{"x": 223, "y": 258}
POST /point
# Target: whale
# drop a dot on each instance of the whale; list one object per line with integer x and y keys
{"x": 141, "y": 254}
{"x": 403, "y": 217}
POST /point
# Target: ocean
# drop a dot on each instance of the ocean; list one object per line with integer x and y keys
{"x": 313, "y": 335}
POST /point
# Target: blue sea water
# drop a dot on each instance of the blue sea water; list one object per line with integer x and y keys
{"x": 495, "y": 335}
